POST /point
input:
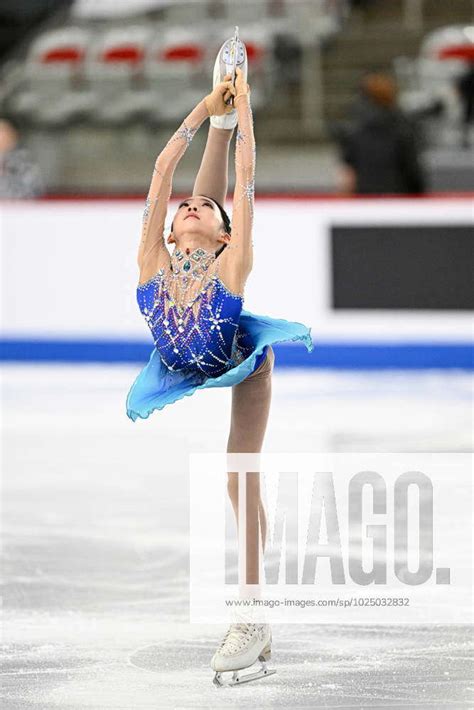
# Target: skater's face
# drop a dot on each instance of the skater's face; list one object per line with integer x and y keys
{"x": 198, "y": 222}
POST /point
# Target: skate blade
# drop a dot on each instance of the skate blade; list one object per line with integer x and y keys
{"x": 240, "y": 679}
{"x": 233, "y": 55}
{"x": 233, "y": 52}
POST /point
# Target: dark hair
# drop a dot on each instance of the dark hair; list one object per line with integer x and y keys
{"x": 225, "y": 219}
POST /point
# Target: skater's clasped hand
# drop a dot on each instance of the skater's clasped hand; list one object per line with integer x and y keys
{"x": 216, "y": 100}
{"x": 241, "y": 86}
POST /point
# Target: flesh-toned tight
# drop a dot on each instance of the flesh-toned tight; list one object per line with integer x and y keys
{"x": 250, "y": 398}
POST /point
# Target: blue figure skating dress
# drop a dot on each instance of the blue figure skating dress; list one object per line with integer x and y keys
{"x": 214, "y": 343}
{"x": 202, "y": 335}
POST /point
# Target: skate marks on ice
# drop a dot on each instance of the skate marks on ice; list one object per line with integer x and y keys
{"x": 85, "y": 664}
{"x": 153, "y": 659}
{"x": 378, "y": 666}
{"x": 339, "y": 666}
{"x": 96, "y": 548}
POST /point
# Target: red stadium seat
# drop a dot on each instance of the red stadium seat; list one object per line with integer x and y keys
{"x": 460, "y": 51}
{"x": 192, "y": 53}
{"x": 54, "y": 90}
{"x": 115, "y": 70}
{"x": 178, "y": 67}
{"x": 57, "y": 55}
{"x": 127, "y": 53}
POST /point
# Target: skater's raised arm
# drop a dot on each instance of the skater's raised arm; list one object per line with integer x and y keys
{"x": 243, "y": 203}
{"x": 152, "y": 251}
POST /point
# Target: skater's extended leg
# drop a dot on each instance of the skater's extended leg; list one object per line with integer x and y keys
{"x": 212, "y": 178}
{"x": 250, "y": 410}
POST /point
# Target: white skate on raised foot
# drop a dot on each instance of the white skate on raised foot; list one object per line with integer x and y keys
{"x": 231, "y": 55}
{"x": 241, "y": 647}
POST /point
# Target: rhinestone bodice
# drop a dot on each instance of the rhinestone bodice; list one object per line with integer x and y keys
{"x": 201, "y": 335}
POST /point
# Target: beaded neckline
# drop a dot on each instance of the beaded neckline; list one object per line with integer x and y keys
{"x": 191, "y": 265}
{"x": 216, "y": 278}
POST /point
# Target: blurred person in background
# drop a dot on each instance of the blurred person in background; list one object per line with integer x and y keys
{"x": 19, "y": 175}
{"x": 379, "y": 147}
{"x": 465, "y": 87}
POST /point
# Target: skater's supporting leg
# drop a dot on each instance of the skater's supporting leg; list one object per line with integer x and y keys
{"x": 256, "y": 522}
{"x": 212, "y": 177}
{"x": 250, "y": 409}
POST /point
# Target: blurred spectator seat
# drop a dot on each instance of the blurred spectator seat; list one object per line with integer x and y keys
{"x": 116, "y": 9}
{"x": 188, "y": 13}
{"x": 454, "y": 42}
{"x": 444, "y": 53}
{"x": 431, "y": 77}
{"x": 156, "y": 70}
{"x": 52, "y": 89}
{"x": 115, "y": 68}
{"x": 178, "y": 69}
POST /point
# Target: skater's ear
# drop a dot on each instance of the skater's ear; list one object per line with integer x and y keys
{"x": 224, "y": 237}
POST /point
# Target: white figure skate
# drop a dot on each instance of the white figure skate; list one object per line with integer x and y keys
{"x": 241, "y": 647}
{"x": 231, "y": 55}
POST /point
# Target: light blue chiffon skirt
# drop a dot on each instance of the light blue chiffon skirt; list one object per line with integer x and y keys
{"x": 156, "y": 385}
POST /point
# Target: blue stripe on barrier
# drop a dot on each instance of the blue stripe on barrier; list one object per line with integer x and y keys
{"x": 338, "y": 355}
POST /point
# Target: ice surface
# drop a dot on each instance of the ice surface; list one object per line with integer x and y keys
{"x": 95, "y": 546}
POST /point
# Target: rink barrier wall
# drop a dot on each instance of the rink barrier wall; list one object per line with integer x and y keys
{"x": 69, "y": 282}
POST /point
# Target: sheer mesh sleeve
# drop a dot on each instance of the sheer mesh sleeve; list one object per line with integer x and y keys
{"x": 243, "y": 204}
{"x": 156, "y": 205}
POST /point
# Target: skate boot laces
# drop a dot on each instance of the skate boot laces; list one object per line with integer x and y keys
{"x": 239, "y": 635}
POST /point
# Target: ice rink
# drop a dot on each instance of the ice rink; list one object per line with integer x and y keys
{"x": 95, "y": 544}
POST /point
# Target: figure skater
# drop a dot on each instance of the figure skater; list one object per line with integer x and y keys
{"x": 192, "y": 302}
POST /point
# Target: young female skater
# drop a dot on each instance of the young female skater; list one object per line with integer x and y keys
{"x": 192, "y": 302}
